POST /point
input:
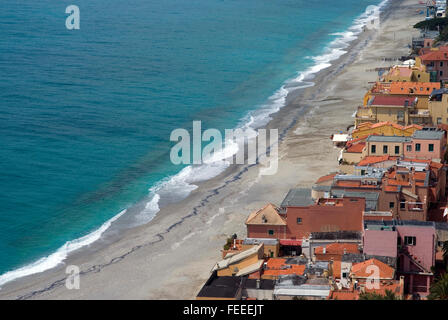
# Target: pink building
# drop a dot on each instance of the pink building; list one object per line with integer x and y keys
{"x": 428, "y": 143}
{"x": 412, "y": 243}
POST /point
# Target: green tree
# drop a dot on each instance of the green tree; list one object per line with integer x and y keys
{"x": 439, "y": 289}
{"x": 445, "y": 252}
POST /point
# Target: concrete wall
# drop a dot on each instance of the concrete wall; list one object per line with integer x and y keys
{"x": 380, "y": 243}
{"x": 321, "y": 218}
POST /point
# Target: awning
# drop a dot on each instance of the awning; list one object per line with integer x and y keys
{"x": 288, "y": 242}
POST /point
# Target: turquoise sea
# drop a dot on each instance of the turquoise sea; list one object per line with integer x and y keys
{"x": 86, "y": 115}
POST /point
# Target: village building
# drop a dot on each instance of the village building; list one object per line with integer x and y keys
{"x": 291, "y": 287}
{"x": 436, "y": 62}
{"x": 241, "y": 263}
{"x": 438, "y": 106}
{"x": 407, "y": 73}
{"x": 266, "y": 223}
{"x": 412, "y": 243}
{"x": 428, "y": 143}
{"x": 386, "y": 128}
{"x": 404, "y": 103}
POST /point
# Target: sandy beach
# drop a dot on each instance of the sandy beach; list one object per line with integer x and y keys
{"x": 171, "y": 257}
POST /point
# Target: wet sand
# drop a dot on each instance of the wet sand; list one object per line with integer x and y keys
{"x": 171, "y": 257}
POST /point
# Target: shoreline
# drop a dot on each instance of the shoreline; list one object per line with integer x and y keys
{"x": 278, "y": 100}
{"x": 151, "y": 243}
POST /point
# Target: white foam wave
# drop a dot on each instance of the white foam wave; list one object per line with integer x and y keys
{"x": 182, "y": 184}
{"x": 60, "y": 255}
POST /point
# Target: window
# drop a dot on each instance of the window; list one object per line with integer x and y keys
{"x": 373, "y": 148}
{"x": 391, "y": 205}
{"x": 344, "y": 274}
{"x": 299, "y": 220}
{"x": 399, "y": 241}
{"x": 441, "y": 63}
{"x": 384, "y": 149}
{"x": 410, "y": 241}
{"x": 431, "y": 147}
{"x": 441, "y": 73}
{"x": 439, "y": 120}
{"x": 417, "y": 147}
{"x": 408, "y": 148}
{"x": 402, "y": 205}
{"x": 397, "y": 149}
{"x": 271, "y": 232}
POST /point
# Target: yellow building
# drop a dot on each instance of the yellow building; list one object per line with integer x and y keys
{"x": 385, "y": 146}
{"x": 241, "y": 263}
{"x": 385, "y": 128}
{"x": 438, "y": 106}
{"x": 407, "y": 74}
{"x": 419, "y": 90}
{"x": 393, "y": 108}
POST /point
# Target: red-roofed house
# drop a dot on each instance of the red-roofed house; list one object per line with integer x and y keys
{"x": 435, "y": 61}
{"x": 335, "y": 251}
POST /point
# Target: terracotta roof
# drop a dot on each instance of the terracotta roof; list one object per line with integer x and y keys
{"x": 338, "y": 248}
{"x": 392, "y": 285}
{"x": 344, "y": 295}
{"x": 336, "y": 267}
{"x": 388, "y": 123}
{"x": 401, "y": 71}
{"x": 293, "y": 269}
{"x": 360, "y": 270}
{"x": 404, "y": 87}
{"x": 391, "y": 188}
{"x": 392, "y": 101}
{"x": 328, "y": 177}
{"x": 356, "y": 148}
{"x": 275, "y": 263}
{"x": 277, "y": 266}
{"x": 436, "y": 55}
{"x": 375, "y": 159}
{"x": 268, "y": 215}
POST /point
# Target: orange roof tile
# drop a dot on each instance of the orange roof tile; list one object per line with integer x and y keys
{"x": 344, "y": 295}
{"x": 413, "y": 87}
{"x": 360, "y": 270}
{"x": 326, "y": 178}
{"x": 338, "y": 248}
{"x": 336, "y": 266}
{"x": 375, "y": 159}
{"x": 434, "y": 55}
{"x": 392, "y": 285}
{"x": 288, "y": 269}
{"x": 275, "y": 263}
{"x": 269, "y": 212}
{"x": 356, "y": 148}
{"x": 391, "y": 188}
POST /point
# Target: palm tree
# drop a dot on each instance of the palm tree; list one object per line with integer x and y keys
{"x": 439, "y": 289}
{"x": 445, "y": 251}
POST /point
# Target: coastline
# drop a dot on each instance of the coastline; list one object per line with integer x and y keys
{"x": 147, "y": 263}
